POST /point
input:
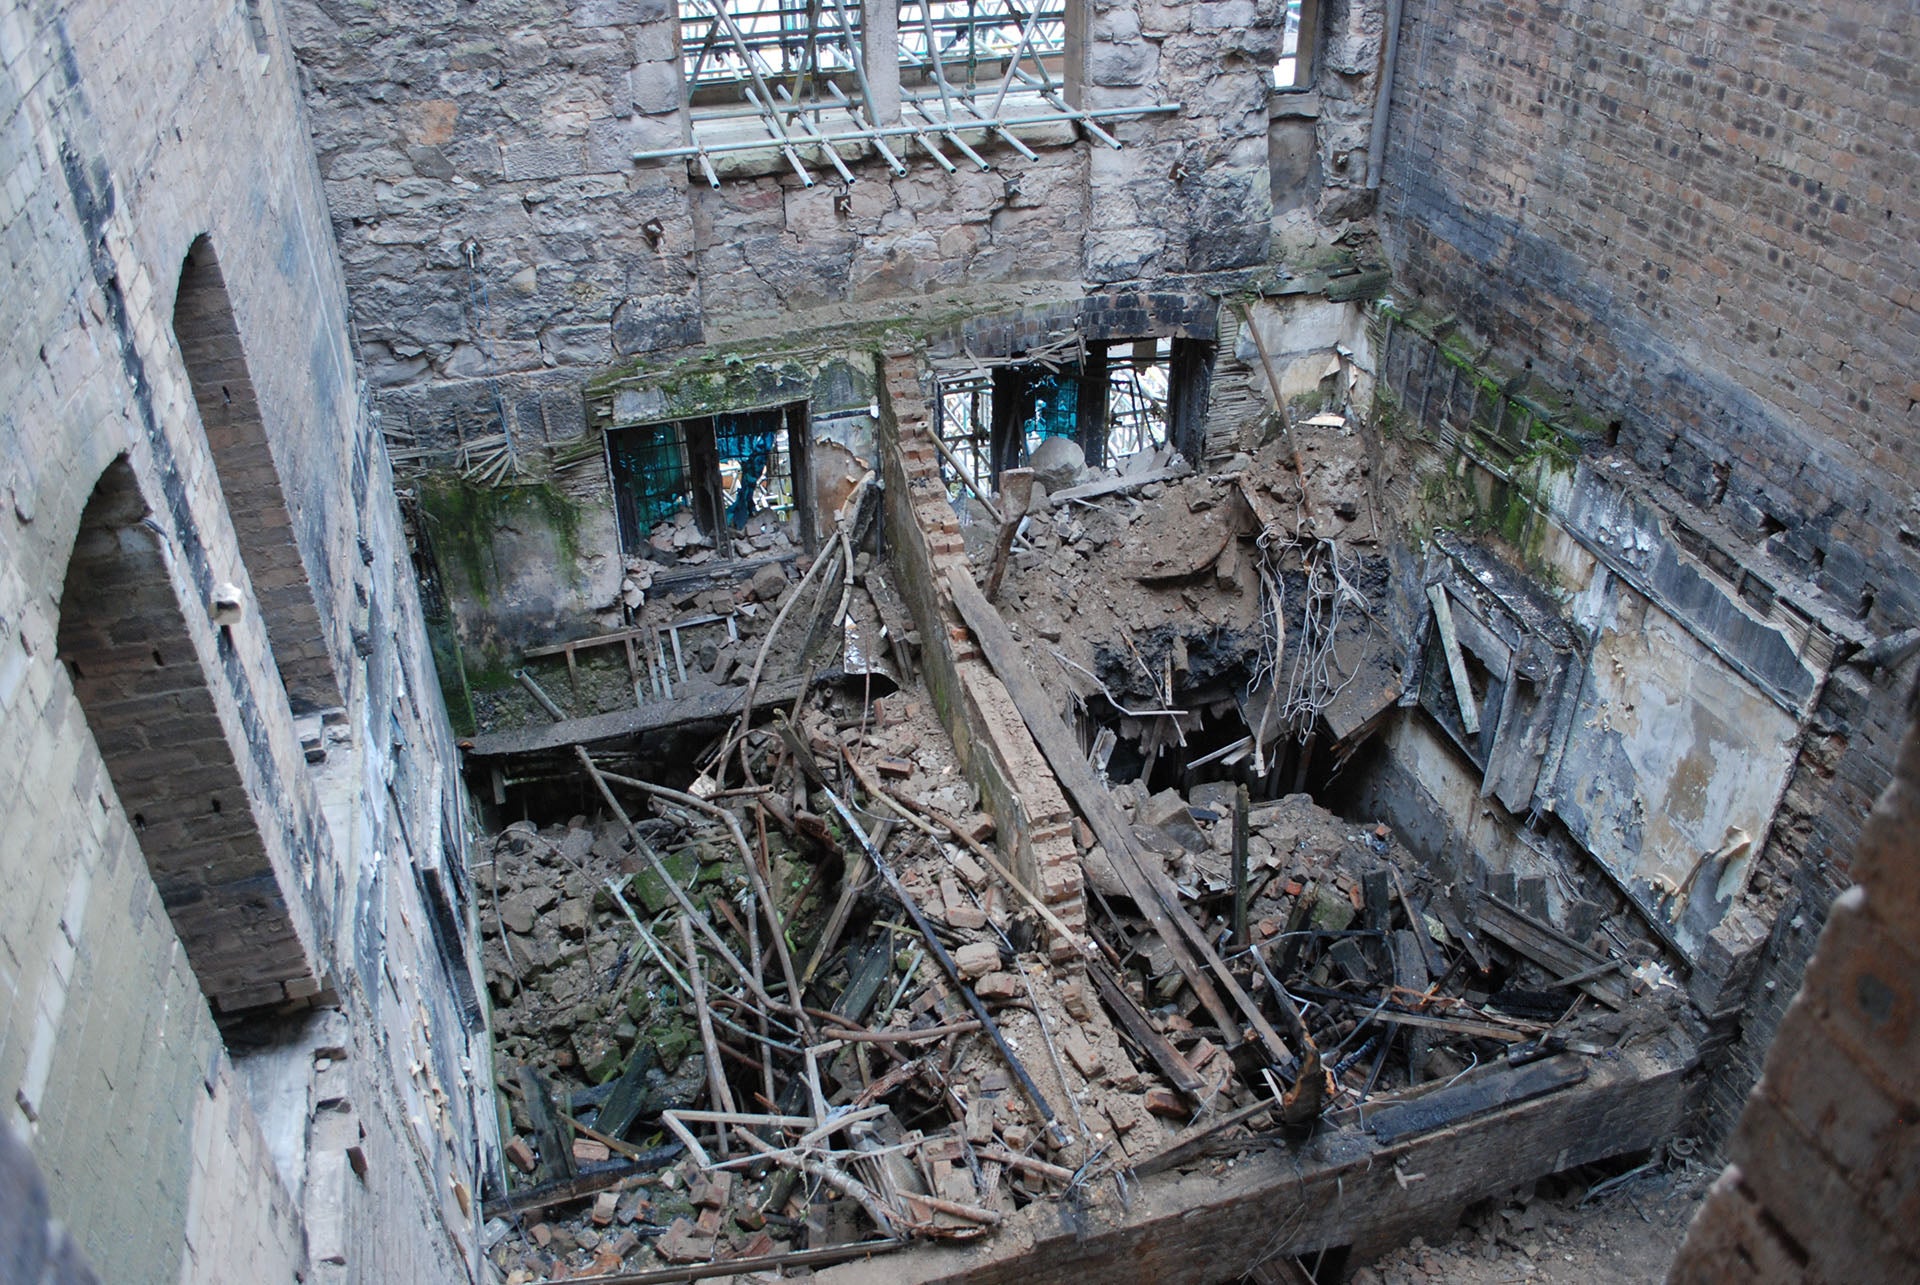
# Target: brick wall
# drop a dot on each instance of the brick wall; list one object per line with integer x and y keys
{"x": 216, "y": 360}
{"x": 1696, "y": 224}
{"x": 997, "y": 752}
{"x": 126, "y": 133}
{"x": 1824, "y": 1183}
{"x": 133, "y": 666}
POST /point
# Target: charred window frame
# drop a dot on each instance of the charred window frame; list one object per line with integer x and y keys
{"x": 725, "y": 469}
{"x": 1122, "y": 397}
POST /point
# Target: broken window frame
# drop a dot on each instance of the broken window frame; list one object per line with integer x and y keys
{"x": 1294, "y": 71}
{"x": 994, "y": 435}
{"x": 694, "y": 443}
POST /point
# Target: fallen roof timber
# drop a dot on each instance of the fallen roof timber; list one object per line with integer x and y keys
{"x": 710, "y": 706}
{"x": 1342, "y": 1187}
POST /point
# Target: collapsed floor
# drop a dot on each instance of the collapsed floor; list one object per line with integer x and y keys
{"x": 962, "y": 1064}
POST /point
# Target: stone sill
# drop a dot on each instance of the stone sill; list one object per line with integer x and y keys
{"x": 1294, "y": 104}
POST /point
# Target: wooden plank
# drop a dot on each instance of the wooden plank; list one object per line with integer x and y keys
{"x": 1143, "y": 874}
{"x": 1113, "y": 485}
{"x": 1477, "y": 1030}
{"x": 1444, "y": 1108}
{"x": 706, "y": 707}
{"x": 568, "y": 648}
{"x": 1016, "y": 490}
{"x": 556, "y": 1148}
{"x": 1410, "y": 974}
{"x": 1456, "y": 663}
{"x": 1547, "y": 946}
{"x": 902, "y": 637}
{"x": 1158, "y": 1047}
{"x": 597, "y": 1179}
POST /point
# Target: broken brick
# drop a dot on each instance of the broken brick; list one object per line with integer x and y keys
{"x": 586, "y": 1151}
{"x": 977, "y": 826}
{"x": 997, "y": 986}
{"x": 604, "y": 1207}
{"x": 683, "y": 1244}
{"x": 976, "y": 959}
{"x": 522, "y": 1155}
{"x": 714, "y": 1192}
{"x": 1082, "y": 1054}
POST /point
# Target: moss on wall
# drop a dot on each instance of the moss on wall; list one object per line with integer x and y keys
{"x": 1494, "y": 474}
{"x": 467, "y": 517}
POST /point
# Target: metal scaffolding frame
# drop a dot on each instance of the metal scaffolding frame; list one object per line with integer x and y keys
{"x": 787, "y": 58}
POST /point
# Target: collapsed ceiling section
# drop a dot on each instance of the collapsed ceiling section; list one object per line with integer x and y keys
{"x": 1026, "y": 829}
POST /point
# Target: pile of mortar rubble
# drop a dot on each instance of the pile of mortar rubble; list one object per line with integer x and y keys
{"x": 803, "y": 1010}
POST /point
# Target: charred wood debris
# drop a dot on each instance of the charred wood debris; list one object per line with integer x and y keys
{"x": 801, "y": 1010}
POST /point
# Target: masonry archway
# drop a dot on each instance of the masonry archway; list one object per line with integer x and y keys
{"x": 125, "y": 645}
{"x": 216, "y": 362}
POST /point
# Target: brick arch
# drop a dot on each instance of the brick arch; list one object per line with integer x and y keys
{"x": 216, "y": 362}
{"x": 125, "y": 645}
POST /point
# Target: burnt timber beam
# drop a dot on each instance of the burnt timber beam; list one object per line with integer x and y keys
{"x": 707, "y": 707}
{"x": 1339, "y": 1188}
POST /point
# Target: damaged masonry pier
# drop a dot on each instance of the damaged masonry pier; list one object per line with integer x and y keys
{"x": 1263, "y": 640}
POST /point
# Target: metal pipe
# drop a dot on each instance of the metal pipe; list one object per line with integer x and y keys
{"x": 1383, "y": 97}
{"x": 772, "y": 119}
{"x": 894, "y": 163}
{"x": 813, "y": 131}
{"x": 953, "y": 136}
{"x": 1080, "y": 118}
{"x": 869, "y": 134}
{"x": 1026, "y": 38}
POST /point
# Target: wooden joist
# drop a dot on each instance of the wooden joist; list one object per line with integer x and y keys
{"x": 1456, "y": 662}
{"x": 1446, "y": 1107}
{"x": 1562, "y": 956}
{"x": 1143, "y": 874}
{"x": 713, "y": 706}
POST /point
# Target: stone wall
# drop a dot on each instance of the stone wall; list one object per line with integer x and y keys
{"x": 171, "y": 1148}
{"x": 1823, "y": 1184}
{"x": 1695, "y": 224}
{"x": 502, "y": 248}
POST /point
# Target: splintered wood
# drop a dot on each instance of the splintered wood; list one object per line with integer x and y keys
{"x": 793, "y": 1003}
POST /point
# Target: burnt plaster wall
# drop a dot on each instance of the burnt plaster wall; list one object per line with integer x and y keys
{"x": 502, "y": 249}
{"x": 1825, "y": 1179}
{"x": 126, "y": 132}
{"x": 1698, "y": 223}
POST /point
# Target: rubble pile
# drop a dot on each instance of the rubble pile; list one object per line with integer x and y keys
{"x": 944, "y": 1068}
{"x": 790, "y": 1004}
{"x": 1235, "y": 607}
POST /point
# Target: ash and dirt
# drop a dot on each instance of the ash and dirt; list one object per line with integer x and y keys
{"x": 602, "y": 1022}
{"x": 1553, "y": 1233}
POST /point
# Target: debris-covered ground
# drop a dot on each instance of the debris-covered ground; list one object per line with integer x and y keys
{"x": 782, "y": 1000}
{"x": 1572, "y": 1229}
{"x": 1207, "y": 618}
{"x": 891, "y": 1107}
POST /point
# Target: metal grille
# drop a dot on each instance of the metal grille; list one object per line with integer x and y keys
{"x": 966, "y": 426}
{"x": 756, "y": 466}
{"x": 650, "y": 475}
